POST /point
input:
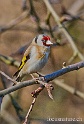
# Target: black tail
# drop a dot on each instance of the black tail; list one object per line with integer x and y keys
{"x": 17, "y": 77}
{"x": 16, "y": 73}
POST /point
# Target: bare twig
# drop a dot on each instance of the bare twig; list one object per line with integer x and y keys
{"x": 32, "y": 11}
{"x": 62, "y": 29}
{"x": 34, "y": 14}
{"x": 48, "y": 23}
{"x": 9, "y": 60}
{"x": 29, "y": 111}
{"x": 9, "y": 118}
{"x": 14, "y": 22}
{"x": 69, "y": 88}
{"x": 17, "y": 107}
{"x": 12, "y": 96}
{"x": 12, "y": 80}
{"x": 62, "y": 71}
{"x": 24, "y": 4}
{"x": 36, "y": 92}
{"x": 73, "y": 57}
{"x": 76, "y": 6}
{"x": 49, "y": 88}
{"x": 46, "y": 78}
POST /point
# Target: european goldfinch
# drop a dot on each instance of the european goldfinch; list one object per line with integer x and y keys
{"x": 35, "y": 57}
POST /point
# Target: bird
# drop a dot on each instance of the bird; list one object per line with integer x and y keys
{"x": 35, "y": 57}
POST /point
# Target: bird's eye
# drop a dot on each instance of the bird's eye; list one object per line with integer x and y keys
{"x": 43, "y": 40}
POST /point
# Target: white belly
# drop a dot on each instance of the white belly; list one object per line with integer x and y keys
{"x": 33, "y": 65}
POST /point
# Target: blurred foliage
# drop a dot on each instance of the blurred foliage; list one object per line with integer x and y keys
{"x": 14, "y": 41}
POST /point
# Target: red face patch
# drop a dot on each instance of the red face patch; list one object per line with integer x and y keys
{"x": 45, "y": 38}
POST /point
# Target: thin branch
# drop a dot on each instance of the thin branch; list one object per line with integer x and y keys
{"x": 76, "y": 6}
{"x": 62, "y": 29}
{"x": 65, "y": 70}
{"x": 48, "y": 23}
{"x": 9, "y": 60}
{"x": 16, "y": 106}
{"x": 75, "y": 55}
{"x": 29, "y": 111}
{"x": 34, "y": 14}
{"x": 16, "y": 87}
{"x": 32, "y": 11}
{"x": 8, "y": 117}
{"x": 24, "y": 5}
{"x": 36, "y": 92}
{"x": 12, "y": 80}
{"x": 69, "y": 88}
{"x": 46, "y": 78}
{"x": 14, "y": 22}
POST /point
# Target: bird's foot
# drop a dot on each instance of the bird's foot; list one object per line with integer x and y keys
{"x": 39, "y": 74}
{"x": 32, "y": 76}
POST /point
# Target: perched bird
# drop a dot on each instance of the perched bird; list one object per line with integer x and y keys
{"x": 35, "y": 57}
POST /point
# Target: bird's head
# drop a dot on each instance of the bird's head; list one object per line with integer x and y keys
{"x": 43, "y": 40}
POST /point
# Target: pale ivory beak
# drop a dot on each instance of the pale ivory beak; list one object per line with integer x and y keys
{"x": 49, "y": 42}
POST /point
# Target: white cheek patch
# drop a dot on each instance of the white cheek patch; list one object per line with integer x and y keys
{"x": 39, "y": 40}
